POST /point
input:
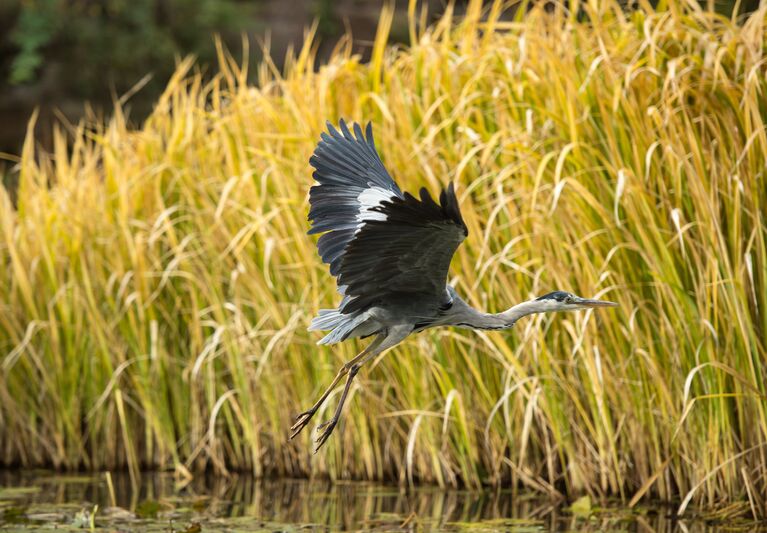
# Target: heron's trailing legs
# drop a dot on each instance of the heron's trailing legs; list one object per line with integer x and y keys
{"x": 328, "y": 427}
{"x": 303, "y": 419}
{"x": 382, "y": 342}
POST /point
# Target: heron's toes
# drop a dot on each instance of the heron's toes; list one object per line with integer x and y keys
{"x": 301, "y": 421}
{"x": 328, "y": 426}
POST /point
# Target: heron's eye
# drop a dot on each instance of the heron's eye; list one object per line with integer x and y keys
{"x": 568, "y": 299}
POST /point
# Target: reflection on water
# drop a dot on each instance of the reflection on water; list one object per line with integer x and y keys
{"x": 243, "y": 503}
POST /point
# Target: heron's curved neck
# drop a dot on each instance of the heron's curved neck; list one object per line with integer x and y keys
{"x": 467, "y": 316}
{"x": 529, "y": 307}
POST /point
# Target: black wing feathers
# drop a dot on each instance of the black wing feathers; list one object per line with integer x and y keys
{"x": 342, "y": 160}
{"x": 384, "y": 246}
{"x": 405, "y": 256}
{"x": 345, "y": 166}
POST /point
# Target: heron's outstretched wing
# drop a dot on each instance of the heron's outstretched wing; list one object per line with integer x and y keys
{"x": 352, "y": 180}
{"x": 385, "y": 247}
{"x": 404, "y": 255}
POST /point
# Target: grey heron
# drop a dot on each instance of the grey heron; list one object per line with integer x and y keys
{"x": 390, "y": 253}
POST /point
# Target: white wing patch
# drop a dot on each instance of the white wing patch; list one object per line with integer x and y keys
{"x": 370, "y": 198}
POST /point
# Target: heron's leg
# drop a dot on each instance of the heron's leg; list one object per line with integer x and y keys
{"x": 330, "y": 425}
{"x": 394, "y": 336}
{"x": 303, "y": 419}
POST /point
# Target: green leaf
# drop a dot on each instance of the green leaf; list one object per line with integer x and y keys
{"x": 581, "y": 506}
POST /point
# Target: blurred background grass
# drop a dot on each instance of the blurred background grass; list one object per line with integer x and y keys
{"x": 57, "y": 54}
{"x": 158, "y": 281}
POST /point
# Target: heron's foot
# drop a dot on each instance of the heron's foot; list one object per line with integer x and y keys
{"x": 301, "y": 422}
{"x": 326, "y": 428}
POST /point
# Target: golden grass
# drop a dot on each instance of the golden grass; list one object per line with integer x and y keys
{"x": 157, "y": 283}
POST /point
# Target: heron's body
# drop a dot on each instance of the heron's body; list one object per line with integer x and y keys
{"x": 409, "y": 312}
{"x": 390, "y": 253}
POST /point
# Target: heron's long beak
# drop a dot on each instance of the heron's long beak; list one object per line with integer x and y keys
{"x": 585, "y": 302}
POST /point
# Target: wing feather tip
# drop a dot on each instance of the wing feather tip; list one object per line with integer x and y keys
{"x": 345, "y": 130}
{"x": 358, "y": 133}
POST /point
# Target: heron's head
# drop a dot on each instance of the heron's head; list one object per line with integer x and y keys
{"x": 565, "y": 301}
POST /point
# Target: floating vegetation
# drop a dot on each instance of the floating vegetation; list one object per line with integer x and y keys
{"x": 246, "y": 505}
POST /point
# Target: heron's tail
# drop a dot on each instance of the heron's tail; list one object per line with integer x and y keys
{"x": 341, "y": 325}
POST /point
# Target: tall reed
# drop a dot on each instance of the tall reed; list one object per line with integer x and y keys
{"x": 157, "y": 282}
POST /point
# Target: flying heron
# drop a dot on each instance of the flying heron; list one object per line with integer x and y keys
{"x": 390, "y": 253}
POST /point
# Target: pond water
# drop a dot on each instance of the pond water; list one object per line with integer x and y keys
{"x": 33, "y": 501}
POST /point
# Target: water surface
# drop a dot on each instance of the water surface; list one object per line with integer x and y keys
{"x": 42, "y": 500}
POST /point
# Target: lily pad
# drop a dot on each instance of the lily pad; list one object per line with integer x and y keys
{"x": 581, "y": 506}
